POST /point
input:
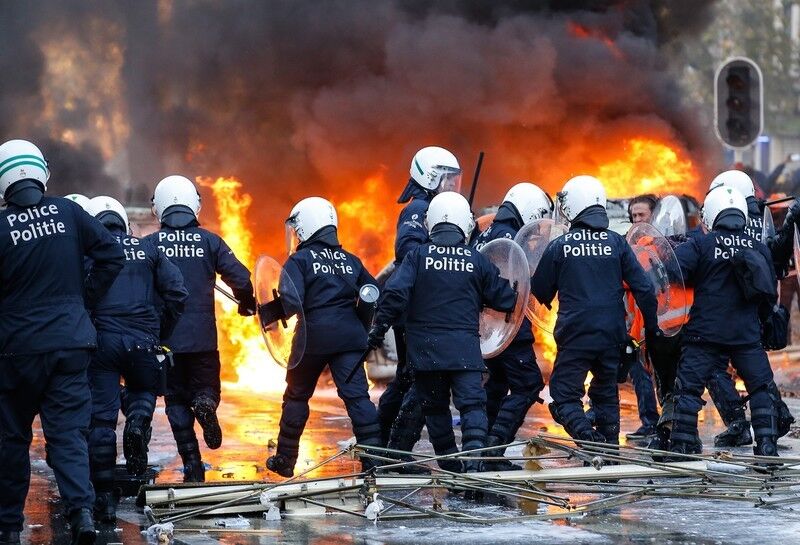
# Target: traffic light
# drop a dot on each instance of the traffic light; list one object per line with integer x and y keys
{"x": 738, "y": 97}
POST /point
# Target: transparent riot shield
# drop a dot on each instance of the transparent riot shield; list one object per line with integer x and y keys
{"x": 655, "y": 255}
{"x": 796, "y": 253}
{"x": 498, "y": 329}
{"x": 768, "y": 227}
{"x": 280, "y": 313}
{"x": 534, "y": 239}
{"x": 669, "y": 217}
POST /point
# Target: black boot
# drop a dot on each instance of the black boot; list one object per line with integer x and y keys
{"x": 193, "y": 469}
{"x": 205, "y": 410}
{"x": 9, "y": 537}
{"x": 737, "y": 435}
{"x": 680, "y": 447}
{"x": 497, "y": 465}
{"x": 766, "y": 446}
{"x": 105, "y": 507}
{"x": 82, "y": 525}
{"x": 660, "y": 441}
{"x": 282, "y": 465}
{"x": 135, "y": 439}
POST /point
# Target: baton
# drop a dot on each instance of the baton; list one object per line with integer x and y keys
{"x": 226, "y": 294}
{"x": 778, "y": 201}
{"x": 358, "y": 365}
{"x": 475, "y": 179}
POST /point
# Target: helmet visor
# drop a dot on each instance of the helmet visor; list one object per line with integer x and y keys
{"x": 559, "y": 214}
{"x": 292, "y": 241}
{"x": 449, "y": 179}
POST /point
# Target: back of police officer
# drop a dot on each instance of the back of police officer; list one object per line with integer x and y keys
{"x": 433, "y": 170}
{"x": 193, "y": 382}
{"x": 327, "y": 280}
{"x": 723, "y": 324}
{"x": 442, "y": 286}
{"x": 721, "y": 386}
{"x": 46, "y": 335}
{"x": 586, "y": 267}
{"x": 129, "y": 328}
{"x": 515, "y": 380}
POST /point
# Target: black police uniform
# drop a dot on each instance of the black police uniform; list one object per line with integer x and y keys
{"x": 515, "y": 380}
{"x": 441, "y": 287}
{"x": 193, "y": 382}
{"x": 587, "y": 267}
{"x": 327, "y": 279}
{"x": 399, "y": 412}
{"x": 720, "y": 386}
{"x": 722, "y": 327}
{"x": 129, "y": 327}
{"x": 46, "y": 336}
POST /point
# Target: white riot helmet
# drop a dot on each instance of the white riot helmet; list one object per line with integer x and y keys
{"x": 80, "y": 200}
{"x": 720, "y": 199}
{"x": 307, "y": 217}
{"x": 736, "y": 179}
{"x": 579, "y": 193}
{"x": 175, "y": 191}
{"x": 530, "y": 201}
{"x": 104, "y": 206}
{"x": 21, "y": 160}
{"x": 450, "y": 207}
{"x": 436, "y": 169}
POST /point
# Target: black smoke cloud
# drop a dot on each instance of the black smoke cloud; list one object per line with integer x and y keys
{"x": 305, "y": 97}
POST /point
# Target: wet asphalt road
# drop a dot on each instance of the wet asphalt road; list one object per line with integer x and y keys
{"x": 250, "y": 423}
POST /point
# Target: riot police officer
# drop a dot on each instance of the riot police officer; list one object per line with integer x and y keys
{"x": 720, "y": 385}
{"x": 442, "y": 286}
{"x": 129, "y": 328}
{"x": 515, "y": 380}
{"x": 193, "y": 382}
{"x": 724, "y": 323}
{"x": 46, "y": 335}
{"x": 433, "y": 170}
{"x": 327, "y": 279}
{"x": 587, "y": 267}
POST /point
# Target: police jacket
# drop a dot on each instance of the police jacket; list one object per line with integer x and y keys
{"x": 327, "y": 279}
{"x": 443, "y": 285}
{"x": 505, "y": 225}
{"x": 587, "y": 267}
{"x": 720, "y": 313}
{"x": 148, "y": 296}
{"x": 199, "y": 255}
{"x": 411, "y": 231}
{"x": 44, "y": 290}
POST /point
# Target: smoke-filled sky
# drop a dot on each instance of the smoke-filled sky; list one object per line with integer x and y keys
{"x": 302, "y": 97}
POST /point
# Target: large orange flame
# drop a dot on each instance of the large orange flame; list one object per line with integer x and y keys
{"x": 240, "y": 338}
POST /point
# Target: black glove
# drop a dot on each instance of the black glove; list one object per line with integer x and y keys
{"x": 652, "y": 337}
{"x": 247, "y": 304}
{"x": 376, "y": 335}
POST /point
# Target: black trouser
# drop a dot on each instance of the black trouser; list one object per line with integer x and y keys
{"x": 194, "y": 375}
{"x": 399, "y": 411}
{"x": 434, "y": 389}
{"x": 567, "y": 390}
{"x": 134, "y": 360}
{"x": 301, "y": 381}
{"x": 55, "y": 386}
{"x": 698, "y": 362}
{"x": 514, "y": 384}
